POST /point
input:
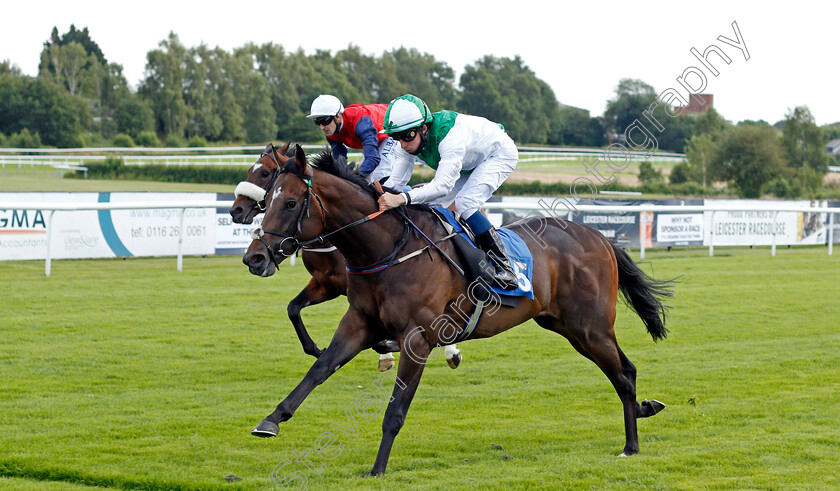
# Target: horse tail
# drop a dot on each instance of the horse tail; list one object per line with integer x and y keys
{"x": 643, "y": 294}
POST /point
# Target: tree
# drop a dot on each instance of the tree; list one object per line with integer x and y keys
{"x": 422, "y": 75}
{"x": 162, "y": 87}
{"x": 632, "y": 98}
{"x": 254, "y": 97}
{"x": 42, "y": 108}
{"x": 73, "y": 61}
{"x": 575, "y": 127}
{"x": 702, "y": 148}
{"x": 506, "y": 91}
{"x": 804, "y": 146}
{"x": 8, "y": 68}
{"x": 710, "y": 123}
{"x": 750, "y": 157}
{"x": 832, "y": 130}
{"x": 133, "y": 116}
{"x": 701, "y": 151}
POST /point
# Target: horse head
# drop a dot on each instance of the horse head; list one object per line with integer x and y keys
{"x": 290, "y": 217}
{"x": 250, "y": 193}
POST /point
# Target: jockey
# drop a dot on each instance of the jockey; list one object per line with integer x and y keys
{"x": 471, "y": 156}
{"x": 357, "y": 126}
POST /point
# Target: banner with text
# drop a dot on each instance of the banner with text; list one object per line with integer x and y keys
{"x": 104, "y": 233}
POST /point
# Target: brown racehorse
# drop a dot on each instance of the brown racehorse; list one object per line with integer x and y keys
{"x": 577, "y": 275}
{"x": 324, "y": 263}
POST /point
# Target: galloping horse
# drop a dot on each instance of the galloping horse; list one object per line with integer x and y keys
{"x": 577, "y": 275}
{"x": 325, "y": 263}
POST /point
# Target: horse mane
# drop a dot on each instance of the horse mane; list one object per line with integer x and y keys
{"x": 326, "y": 162}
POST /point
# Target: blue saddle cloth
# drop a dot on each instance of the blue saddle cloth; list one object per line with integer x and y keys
{"x": 517, "y": 251}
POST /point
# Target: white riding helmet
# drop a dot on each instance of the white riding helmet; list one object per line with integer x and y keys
{"x": 325, "y": 105}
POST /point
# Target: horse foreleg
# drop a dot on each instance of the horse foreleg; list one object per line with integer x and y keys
{"x": 313, "y": 294}
{"x": 413, "y": 356}
{"x": 351, "y": 337}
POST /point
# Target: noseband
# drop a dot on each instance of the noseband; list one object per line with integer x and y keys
{"x": 292, "y": 240}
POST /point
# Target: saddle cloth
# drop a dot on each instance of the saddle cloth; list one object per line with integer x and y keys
{"x": 517, "y": 252}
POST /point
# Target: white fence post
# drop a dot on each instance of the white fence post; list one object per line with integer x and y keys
{"x": 712, "y": 235}
{"x": 642, "y": 233}
{"x": 181, "y": 241}
{"x": 773, "y": 247}
{"x": 830, "y": 233}
{"x": 48, "y": 258}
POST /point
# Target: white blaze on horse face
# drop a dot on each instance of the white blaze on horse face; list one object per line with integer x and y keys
{"x": 256, "y": 167}
{"x": 277, "y": 193}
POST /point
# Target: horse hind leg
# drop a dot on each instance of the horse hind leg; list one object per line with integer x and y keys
{"x": 600, "y": 346}
{"x": 646, "y": 408}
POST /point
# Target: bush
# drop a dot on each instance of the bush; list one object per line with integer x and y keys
{"x": 113, "y": 168}
{"x": 647, "y": 174}
{"x": 25, "y": 139}
{"x": 197, "y": 141}
{"x": 656, "y": 187}
{"x": 173, "y": 140}
{"x": 691, "y": 189}
{"x": 3, "y": 140}
{"x": 782, "y": 188}
{"x": 110, "y": 168}
{"x": 79, "y": 140}
{"x": 122, "y": 140}
{"x": 679, "y": 173}
{"x": 147, "y": 139}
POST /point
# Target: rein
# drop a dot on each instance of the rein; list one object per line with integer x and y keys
{"x": 292, "y": 240}
{"x": 375, "y": 267}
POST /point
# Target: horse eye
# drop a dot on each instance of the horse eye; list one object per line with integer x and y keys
{"x": 265, "y": 174}
{"x": 291, "y": 204}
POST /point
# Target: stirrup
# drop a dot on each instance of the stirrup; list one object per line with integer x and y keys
{"x": 503, "y": 276}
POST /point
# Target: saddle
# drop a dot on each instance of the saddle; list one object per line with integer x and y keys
{"x": 472, "y": 257}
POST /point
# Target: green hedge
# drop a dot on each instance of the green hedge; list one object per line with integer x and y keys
{"x": 113, "y": 168}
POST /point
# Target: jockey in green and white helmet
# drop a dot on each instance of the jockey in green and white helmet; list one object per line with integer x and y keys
{"x": 472, "y": 156}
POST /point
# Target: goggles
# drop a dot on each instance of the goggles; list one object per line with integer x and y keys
{"x": 406, "y": 136}
{"x": 323, "y": 120}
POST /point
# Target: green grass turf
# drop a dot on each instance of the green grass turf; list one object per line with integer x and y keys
{"x": 129, "y": 374}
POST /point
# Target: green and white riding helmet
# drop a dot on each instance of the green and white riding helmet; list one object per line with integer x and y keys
{"x": 405, "y": 112}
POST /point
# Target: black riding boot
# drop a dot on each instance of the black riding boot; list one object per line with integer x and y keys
{"x": 503, "y": 276}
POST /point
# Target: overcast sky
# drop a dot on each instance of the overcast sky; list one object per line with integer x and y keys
{"x": 580, "y": 50}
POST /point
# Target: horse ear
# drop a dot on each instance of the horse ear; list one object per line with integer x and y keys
{"x": 269, "y": 148}
{"x": 282, "y": 151}
{"x": 300, "y": 157}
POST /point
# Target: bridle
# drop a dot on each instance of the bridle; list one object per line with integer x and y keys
{"x": 294, "y": 244}
{"x": 290, "y": 243}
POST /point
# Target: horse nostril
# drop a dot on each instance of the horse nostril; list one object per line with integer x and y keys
{"x": 252, "y": 259}
{"x": 235, "y": 212}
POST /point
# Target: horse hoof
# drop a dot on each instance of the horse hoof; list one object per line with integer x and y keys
{"x": 628, "y": 453}
{"x": 266, "y": 429}
{"x": 455, "y": 361}
{"x": 650, "y": 407}
{"x": 386, "y": 364}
